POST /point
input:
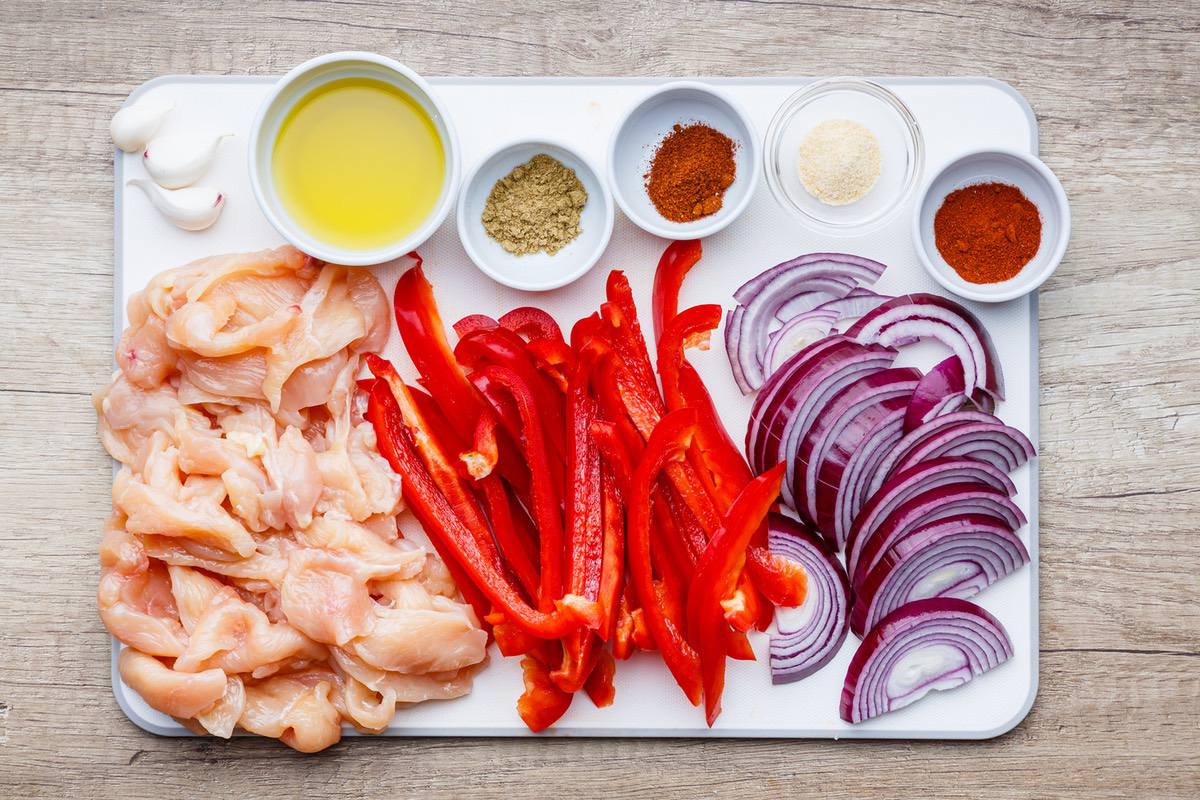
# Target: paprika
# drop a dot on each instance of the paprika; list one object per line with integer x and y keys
{"x": 690, "y": 171}
{"x": 987, "y": 232}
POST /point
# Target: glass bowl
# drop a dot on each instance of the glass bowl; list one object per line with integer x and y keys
{"x": 902, "y": 151}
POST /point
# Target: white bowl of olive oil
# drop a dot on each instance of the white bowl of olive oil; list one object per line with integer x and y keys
{"x": 353, "y": 159}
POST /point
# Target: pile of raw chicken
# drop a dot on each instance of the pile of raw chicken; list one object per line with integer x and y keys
{"x": 252, "y": 564}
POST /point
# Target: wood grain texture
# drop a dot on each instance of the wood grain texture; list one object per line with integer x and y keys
{"x": 1116, "y": 87}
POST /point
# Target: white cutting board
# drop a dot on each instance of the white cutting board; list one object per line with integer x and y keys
{"x": 955, "y": 115}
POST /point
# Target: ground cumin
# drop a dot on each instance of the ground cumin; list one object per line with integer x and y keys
{"x": 535, "y": 208}
{"x": 690, "y": 171}
{"x": 987, "y": 232}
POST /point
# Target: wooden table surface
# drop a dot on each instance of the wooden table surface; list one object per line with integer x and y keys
{"x": 1116, "y": 88}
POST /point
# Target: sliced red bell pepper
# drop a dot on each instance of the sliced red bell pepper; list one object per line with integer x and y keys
{"x": 531, "y": 323}
{"x": 781, "y": 580}
{"x": 438, "y": 462}
{"x": 668, "y": 443}
{"x": 584, "y": 524}
{"x": 452, "y": 537}
{"x": 612, "y": 576}
{"x": 481, "y": 460}
{"x": 599, "y": 686}
{"x": 716, "y": 578}
{"x": 621, "y": 313}
{"x": 673, "y": 266}
{"x": 546, "y": 504}
{"x": 474, "y": 322}
{"x": 510, "y": 639}
{"x": 622, "y": 640}
{"x": 542, "y": 704}
{"x": 515, "y": 550}
{"x": 424, "y": 337}
{"x": 737, "y": 644}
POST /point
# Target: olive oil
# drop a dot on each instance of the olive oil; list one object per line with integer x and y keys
{"x": 358, "y": 164}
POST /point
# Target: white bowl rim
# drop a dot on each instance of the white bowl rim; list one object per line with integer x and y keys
{"x": 687, "y": 230}
{"x": 308, "y": 243}
{"x": 1021, "y": 287}
{"x": 585, "y": 265}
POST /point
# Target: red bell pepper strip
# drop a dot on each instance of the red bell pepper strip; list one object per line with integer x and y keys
{"x": 482, "y": 459}
{"x": 736, "y": 643}
{"x": 504, "y": 348}
{"x": 437, "y": 461}
{"x": 474, "y": 322}
{"x": 781, "y": 580}
{"x": 612, "y": 575}
{"x": 642, "y": 638}
{"x": 622, "y": 640}
{"x": 546, "y": 505}
{"x": 515, "y": 550}
{"x": 554, "y": 358}
{"x": 452, "y": 537}
{"x": 424, "y": 337}
{"x": 599, "y": 686}
{"x": 716, "y": 577}
{"x": 668, "y": 443}
{"x": 676, "y": 260}
{"x": 584, "y": 524}
{"x": 531, "y": 324}
{"x": 511, "y": 640}
{"x": 621, "y": 313}
{"x": 542, "y": 704}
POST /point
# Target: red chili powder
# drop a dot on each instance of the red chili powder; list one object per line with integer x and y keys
{"x": 987, "y": 231}
{"x": 691, "y": 169}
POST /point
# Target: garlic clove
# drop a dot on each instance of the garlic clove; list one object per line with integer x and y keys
{"x": 193, "y": 209}
{"x": 135, "y": 123}
{"x": 178, "y": 160}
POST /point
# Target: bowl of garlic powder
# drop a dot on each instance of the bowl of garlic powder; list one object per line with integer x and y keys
{"x": 844, "y": 155}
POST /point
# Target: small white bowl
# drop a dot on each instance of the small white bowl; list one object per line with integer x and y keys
{"x": 902, "y": 150}
{"x": 535, "y": 272}
{"x": 297, "y": 84}
{"x": 644, "y": 126}
{"x": 1012, "y": 167}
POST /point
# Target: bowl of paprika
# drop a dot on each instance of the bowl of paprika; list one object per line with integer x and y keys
{"x": 683, "y": 162}
{"x": 992, "y": 225}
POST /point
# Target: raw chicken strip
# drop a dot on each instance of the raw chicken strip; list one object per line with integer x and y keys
{"x": 253, "y": 563}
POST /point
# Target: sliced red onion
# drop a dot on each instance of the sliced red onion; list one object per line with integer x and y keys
{"x": 909, "y": 483}
{"x": 762, "y": 296}
{"x": 837, "y": 431}
{"x": 858, "y": 302}
{"x": 956, "y": 557}
{"x": 940, "y": 502}
{"x": 910, "y": 317}
{"x": 924, "y": 646}
{"x": 819, "y": 291}
{"x": 852, "y": 488}
{"x": 941, "y": 391}
{"x": 918, "y": 436}
{"x": 796, "y": 334}
{"x": 811, "y": 634}
{"x": 1002, "y": 446}
{"x": 783, "y": 410}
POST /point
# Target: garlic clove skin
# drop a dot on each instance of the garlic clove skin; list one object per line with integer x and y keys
{"x": 178, "y": 160}
{"x": 135, "y": 123}
{"x": 192, "y": 209}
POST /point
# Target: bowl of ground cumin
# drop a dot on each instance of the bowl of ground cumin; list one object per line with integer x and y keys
{"x": 684, "y": 161}
{"x": 535, "y": 215}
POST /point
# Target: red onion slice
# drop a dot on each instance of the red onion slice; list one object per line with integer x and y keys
{"x": 762, "y": 296}
{"x": 924, "y": 646}
{"x": 909, "y": 483}
{"x": 836, "y": 434}
{"x": 794, "y": 335}
{"x": 942, "y": 390}
{"x": 956, "y": 557}
{"x": 918, "y": 436}
{"x": 852, "y": 487}
{"x": 818, "y": 292}
{"x": 908, "y": 318}
{"x": 858, "y": 302}
{"x": 833, "y": 411}
{"x": 809, "y": 636}
{"x": 931, "y": 505}
{"x": 1002, "y": 446}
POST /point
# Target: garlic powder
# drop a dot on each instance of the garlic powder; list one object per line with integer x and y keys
{"x": 839, "y": 161}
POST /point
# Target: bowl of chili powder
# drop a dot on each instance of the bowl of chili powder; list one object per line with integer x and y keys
{"x": 684, "y": 161}
{"x": 992, "y": 225}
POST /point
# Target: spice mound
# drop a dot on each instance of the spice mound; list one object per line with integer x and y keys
{"x": 690, "y": 171}
{"x": 536, "y": 207}
{"x": 987, "y": 232}
{"x": 839, "y": 161}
